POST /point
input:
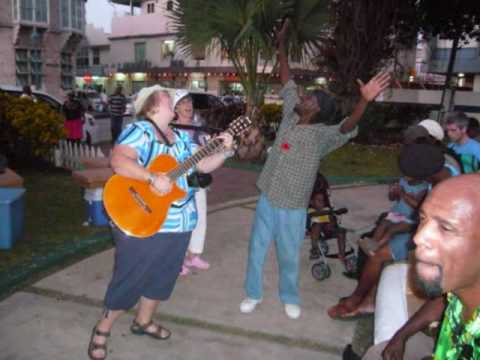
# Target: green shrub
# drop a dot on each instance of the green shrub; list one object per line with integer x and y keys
{"x": 28, "y": 130}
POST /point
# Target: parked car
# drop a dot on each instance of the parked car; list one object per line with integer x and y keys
{"x": 213, "y": 110}
{"x": 232, "y": 100}
{"x": 92, "y": 130}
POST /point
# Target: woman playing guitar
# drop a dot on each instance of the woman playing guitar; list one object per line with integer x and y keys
{"x": 146, "y": 269}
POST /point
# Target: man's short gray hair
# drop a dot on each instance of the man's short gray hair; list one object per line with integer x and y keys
{"x": 458, "y": 118}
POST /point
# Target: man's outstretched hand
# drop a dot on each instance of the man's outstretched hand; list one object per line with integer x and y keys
{"x": 375, "y": 86}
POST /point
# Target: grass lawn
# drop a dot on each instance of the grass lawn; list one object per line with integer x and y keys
{"x": 54, "y": 213}
{"x": 352, "y": 162}
{"x": 361, "y": 160}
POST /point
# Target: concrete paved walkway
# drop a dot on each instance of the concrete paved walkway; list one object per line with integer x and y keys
{"x": 53, "y": 318}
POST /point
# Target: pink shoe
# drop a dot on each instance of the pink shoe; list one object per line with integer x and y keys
{"x": 197, "y": 262}
{"x": 185, "y": 270}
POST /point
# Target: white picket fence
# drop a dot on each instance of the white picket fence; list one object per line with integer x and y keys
{"x": 68, "y": 155}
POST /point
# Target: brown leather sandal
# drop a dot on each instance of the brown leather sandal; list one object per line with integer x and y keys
{"x": 93, "y": 346}
{"x": 160, "y": 334}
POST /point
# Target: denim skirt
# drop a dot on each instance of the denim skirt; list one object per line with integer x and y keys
{"x": 146, "y": 267}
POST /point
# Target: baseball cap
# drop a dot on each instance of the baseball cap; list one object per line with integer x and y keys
{"x": 434, "y": 129}
{"x": 179, "y": 95}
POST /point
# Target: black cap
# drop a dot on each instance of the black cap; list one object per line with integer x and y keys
{"x": 420, "y": 161}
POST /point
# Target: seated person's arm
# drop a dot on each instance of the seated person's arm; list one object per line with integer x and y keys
{"x": 401, "y": 227}
{"x": 413, "y": 200}
{"x": 394, "y": 191}
{"x": 431, "y": 311}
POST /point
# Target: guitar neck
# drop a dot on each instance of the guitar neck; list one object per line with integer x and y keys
{"x": 211, "y": 148}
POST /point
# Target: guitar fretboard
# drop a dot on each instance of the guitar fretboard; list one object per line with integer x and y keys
{"x": 212, "y": 147}
{"x": 236, "y": 127}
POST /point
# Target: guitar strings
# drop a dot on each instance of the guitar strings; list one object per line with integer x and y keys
{"x": 237, "y": 126}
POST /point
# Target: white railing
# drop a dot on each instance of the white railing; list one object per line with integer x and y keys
{"x": 69, "y": 155}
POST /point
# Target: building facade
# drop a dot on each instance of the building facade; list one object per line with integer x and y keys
{"x": 93, "y": 60}
{"x": 38, "y": 41}
{"x": 144, "y": 51}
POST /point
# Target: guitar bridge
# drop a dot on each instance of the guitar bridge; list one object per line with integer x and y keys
{"x": 136, "y": 196}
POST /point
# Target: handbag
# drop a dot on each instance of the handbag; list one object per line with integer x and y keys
{"x": 199, "y": 180}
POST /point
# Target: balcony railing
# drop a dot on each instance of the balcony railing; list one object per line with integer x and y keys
{"x": 139, "y": 66}
{"x": 93, "y": 70}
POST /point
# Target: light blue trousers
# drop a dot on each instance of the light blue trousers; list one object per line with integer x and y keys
{"x": 287, "y": 228}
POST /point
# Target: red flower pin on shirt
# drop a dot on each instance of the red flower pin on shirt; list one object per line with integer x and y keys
{"x": 285, "y": 146}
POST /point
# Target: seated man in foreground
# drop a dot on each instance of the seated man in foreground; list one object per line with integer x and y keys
{"x": 446, "y": 263}
{"x": 447, "y": 253}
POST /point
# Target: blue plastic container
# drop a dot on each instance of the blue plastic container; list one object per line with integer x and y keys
{"x": 96, "y": 214}
{"x": 11, "y": 216}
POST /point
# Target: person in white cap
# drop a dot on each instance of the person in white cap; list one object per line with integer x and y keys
{"x": 146, "y": 270}
{"x": 184, "y": 115}
{"x": 429, "y": 131}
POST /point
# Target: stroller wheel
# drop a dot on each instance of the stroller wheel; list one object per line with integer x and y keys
{"x": 324, "y": 247}
{"x": 320, "y": 271}
{"x": 351, "y": 263}
{"x": 314, "y": 253}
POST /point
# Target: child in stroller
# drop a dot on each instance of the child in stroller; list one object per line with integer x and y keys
{"x": 323, "y": 225}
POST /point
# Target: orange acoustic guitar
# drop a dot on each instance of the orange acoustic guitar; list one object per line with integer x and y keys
{"x": 140, "y": 212}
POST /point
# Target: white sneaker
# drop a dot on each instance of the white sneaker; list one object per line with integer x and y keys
{"x": 248, "y": 305}
{"x": 293, "y": 311}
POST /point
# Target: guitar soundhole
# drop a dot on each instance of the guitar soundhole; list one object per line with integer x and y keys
{"x": 139, "y": 200}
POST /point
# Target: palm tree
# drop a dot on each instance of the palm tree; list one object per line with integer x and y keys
{"x": 245, "y": 29}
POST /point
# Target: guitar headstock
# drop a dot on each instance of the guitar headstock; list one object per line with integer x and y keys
{"x": 239, "y": 125}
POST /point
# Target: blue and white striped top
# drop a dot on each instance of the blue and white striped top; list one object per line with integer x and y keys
{"x": 140, "y": 135}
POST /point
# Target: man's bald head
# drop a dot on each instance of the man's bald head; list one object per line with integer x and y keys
{"x": 448, "y": 237}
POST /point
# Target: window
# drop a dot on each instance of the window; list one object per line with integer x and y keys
{"x": 96, "y": 56}
{"x": 36, "y": 68}
{"x": 139, "y": 52}
{"x": 26, "y": 10}
{"x": 65, "y": 13}
{"x": 66, "y": 71}
{"x": 29, "y": 67}
{"x": 72, "y": 14}
{"x": 41, "y": 11}
{"x": 169, "y": 5}
{"x": 31, "y": 10}
{"x": 200, "y": 85}
{"x": 82, "y": 58}
{"x": 150, "y": 8}
{"x": 168, "y": 48}
{"x": 15, "y": 9}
